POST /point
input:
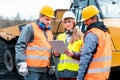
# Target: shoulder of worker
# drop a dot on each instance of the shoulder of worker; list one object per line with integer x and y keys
{"x": 61, "y": 35}
{"x": 91, "y": 35}
{"x": 27, "y": 29}
{"x": 26, "y": 33}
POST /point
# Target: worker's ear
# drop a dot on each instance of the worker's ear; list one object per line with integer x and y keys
{"x": 94, "y": 19}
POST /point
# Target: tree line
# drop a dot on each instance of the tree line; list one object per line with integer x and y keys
{"x": 7, "y": 22}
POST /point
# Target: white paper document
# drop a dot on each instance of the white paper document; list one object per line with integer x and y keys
{"x": 58, "y": 46}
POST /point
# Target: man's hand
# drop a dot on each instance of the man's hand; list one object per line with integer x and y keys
{"x": 22, "y": 68}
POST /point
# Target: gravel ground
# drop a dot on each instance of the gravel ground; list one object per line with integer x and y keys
{"x": 16, "y": 76}
{"x": 11, "y": 76}
{"x": 115, "y": 75}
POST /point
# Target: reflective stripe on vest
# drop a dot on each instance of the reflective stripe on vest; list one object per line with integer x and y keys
{"x": 37, "y": 48}
{"x": 69, "y": 61}
{"x": 42, "y": 48}
{"x": 105, "y": 58}
{"x": 38, "y": 51}
{"x": 37, "y": 57}
{"x": 99, "y": 70}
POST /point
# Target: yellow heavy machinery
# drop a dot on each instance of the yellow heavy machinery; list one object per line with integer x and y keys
{"x": 109, "y": 14}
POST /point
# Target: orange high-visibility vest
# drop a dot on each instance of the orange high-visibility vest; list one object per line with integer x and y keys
{"x": 99, "y": 67}
{"x": 37, "y": 52}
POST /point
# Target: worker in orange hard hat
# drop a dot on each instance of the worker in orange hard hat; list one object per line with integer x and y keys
{"x": 33, "y": 51}
{"x": 95, "y": 60}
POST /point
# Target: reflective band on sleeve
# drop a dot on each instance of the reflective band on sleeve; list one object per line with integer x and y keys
{"x": 37, "y": 57}
{"x": 68, "y": 60}
{"x": 99, "y": 70}
{"x": 102, "y": 59}
{"x": 37, "y": 48}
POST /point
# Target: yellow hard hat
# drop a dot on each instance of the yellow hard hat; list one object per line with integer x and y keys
{"x": 89, "y": 12}
{"x": 47, "y": 11}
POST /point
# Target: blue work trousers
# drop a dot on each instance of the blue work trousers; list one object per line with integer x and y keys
{"x": 36, "y": 76}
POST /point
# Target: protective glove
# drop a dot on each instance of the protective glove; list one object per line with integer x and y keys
{"x": 51, "y": 70}
{"x": 22, "y": 68}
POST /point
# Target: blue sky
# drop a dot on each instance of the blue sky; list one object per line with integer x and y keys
{"x": 29, "y": 8}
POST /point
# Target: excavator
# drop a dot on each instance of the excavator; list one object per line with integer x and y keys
{"x": 109, "y": 14}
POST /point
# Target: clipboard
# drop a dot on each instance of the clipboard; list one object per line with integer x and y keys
{"x": 58, "y": 46}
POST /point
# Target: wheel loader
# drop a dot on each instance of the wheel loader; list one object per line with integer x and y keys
{"x": 109, "y": 14}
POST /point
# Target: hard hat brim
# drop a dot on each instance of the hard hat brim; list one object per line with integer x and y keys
{"x": 82, "y": 20}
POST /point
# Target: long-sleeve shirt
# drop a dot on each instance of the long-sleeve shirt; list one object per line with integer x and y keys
{"x": 90, "y": 43}
{"x": 25, "y": 37}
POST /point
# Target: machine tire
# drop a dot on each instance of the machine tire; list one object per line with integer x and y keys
{"x": 7, "y": 68}
{"x": 8, "y": 60}
{"x": 3, "y": 47}
{"x": 11, "y": 47}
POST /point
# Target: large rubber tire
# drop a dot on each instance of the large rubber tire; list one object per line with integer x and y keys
{"x": 3, "y": 47}
{"x": 8, "y": 60}
{"x": 11, "y": 47}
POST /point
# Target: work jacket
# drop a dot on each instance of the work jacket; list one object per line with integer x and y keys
{"x": 101, "y": 61}
{"x": 66, "y": 62}
{"x": 38, "y": 51}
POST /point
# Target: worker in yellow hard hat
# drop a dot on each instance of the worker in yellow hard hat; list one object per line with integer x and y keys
{"x": 33, "y": 51}
{"x": 95, "y": 60}
{"x": 48, "y": 11}
{"x": 89, "y": 12}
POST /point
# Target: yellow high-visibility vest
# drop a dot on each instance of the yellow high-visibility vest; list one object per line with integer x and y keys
{"x": 66, "y": 62}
